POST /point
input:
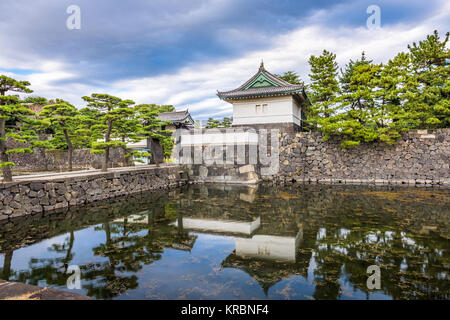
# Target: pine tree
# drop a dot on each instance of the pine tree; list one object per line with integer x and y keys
{"x": 164, "y": 108}
{"x": 62, "y": 118}
{"x": 128, "y": 130}
{"x": 429, "y": 103}
{"x": 347, "y": 73}
{"x": 152, "y": 128}
{"x": 108, "y": 110}
{"x": 212, "y": 123}
{"x": 13, "y": 117}
{"x": 324, "y": 86}
{"x": 226, "y": 123}
{"x": 355, "y": 107}
{"x": 393, "y": 84}
{"x": 291, "y": 77}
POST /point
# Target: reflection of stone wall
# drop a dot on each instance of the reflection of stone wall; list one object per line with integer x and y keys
{"x": 420, "y": 157}
{"x": 48, "y": 193}
{"x": 30, "y": 229}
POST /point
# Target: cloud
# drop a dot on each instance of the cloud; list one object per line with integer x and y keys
{"x": 196, "y": 84}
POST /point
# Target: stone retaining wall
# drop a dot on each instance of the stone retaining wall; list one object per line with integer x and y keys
{"x": 227, "y": 173}
{"x": 51, "y": 160}
{"x": 48, "y": 193}
{"x": 420, "y": 157}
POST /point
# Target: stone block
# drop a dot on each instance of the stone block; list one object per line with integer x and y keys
{"x": 247, "y": 168}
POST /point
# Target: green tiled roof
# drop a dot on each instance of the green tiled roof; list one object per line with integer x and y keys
{"x": 263, "y": 84}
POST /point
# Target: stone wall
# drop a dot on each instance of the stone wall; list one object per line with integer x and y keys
{"x": 58, "y": 160}
{"x": 419, "y": 157}
{"x": 227, "y": 173}
{"x": 220, "y": 155}
{"x": 39, "y": 194}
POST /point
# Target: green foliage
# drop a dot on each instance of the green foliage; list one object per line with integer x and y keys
{"x": 41, "y": 101}
{"x": 226, "y": 123}
{"x": 376, "y": 102}
{"x": 428, "y": 103}
{"x": 10, "y": 84}
{"x": 107, "y": 115}
{"x": 163, "y": 108}
{"x": 63, "y": 119}
{"x": 152, "y": 126}
{"x": 212, "y": 123}
{"x": 324, "y": 87}
{"x": 6, "y": 164}
{"x": 291, "y": 77}
{"x": 14, "y": 122}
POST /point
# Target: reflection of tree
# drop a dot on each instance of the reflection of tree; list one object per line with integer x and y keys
{"x": 362, "y": 228}
{"x": 6, "y": 271}
{"x": 128, "y": 247}
{"x": 51, "y": 270}
{"x": 267, "y": 273}
{"x": 408, "y": 270}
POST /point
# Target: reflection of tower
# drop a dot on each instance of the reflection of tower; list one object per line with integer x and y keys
{"x": 258, "y": 245}
{"x": 269, "y": 247}
{"x": 221, "y": 226}
{"x": 268, "y": 256}
{"x": 167, "y": 235}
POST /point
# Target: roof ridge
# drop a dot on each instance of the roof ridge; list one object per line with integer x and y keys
{"x": 269, "y": 75}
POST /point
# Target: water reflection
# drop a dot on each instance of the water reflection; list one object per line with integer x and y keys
{"x": 241, "y": 242}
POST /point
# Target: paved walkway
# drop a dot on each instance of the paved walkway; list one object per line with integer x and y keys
{"x": 69, "y": 174}
{"x": 22, "y": 291}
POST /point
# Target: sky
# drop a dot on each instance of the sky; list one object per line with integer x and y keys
{"x": 183, "y": 52}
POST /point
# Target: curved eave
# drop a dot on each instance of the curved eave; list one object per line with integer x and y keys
{"x": 184, "y": 119}
{"x": 224, "y": 96}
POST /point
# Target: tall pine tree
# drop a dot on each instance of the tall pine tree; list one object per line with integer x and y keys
{"x": 63, "y": 119}
{"x": 13, "y": 118}
{"x": 108, "y": 110}
{"x": 324, "y": 86}
{"x": 429, "y": 103}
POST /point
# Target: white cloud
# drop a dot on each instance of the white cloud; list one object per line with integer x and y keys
{"x": 194, "y": 86}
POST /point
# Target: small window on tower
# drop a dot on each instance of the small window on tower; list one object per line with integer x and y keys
{"x": 264, "y": 108}
{"x": 258, "y": 108}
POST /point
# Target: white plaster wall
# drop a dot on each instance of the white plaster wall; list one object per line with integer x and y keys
{"x": 229, "y": 137}
{"x": 279, "y": 110}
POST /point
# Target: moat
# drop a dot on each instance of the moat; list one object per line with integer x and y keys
{"x": 240, "y": 242}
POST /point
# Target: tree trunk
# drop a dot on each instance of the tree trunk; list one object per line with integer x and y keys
{"x": 69, "y": 251}
{"x": 107, "y": 139}
{"x": 69, "y": 148}
{"x": 7, "y": 265}
{"x": 7, "y": 175}
{"x": 108, "y": 235}
{"x": 127, "y": 160}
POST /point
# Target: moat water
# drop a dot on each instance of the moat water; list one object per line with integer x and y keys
{"x": 239, "y": 242}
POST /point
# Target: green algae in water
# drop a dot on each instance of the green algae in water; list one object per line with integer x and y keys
{"x": 237, "y": 242}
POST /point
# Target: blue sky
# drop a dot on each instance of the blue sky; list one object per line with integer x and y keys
{"x": 182, "y": 52}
